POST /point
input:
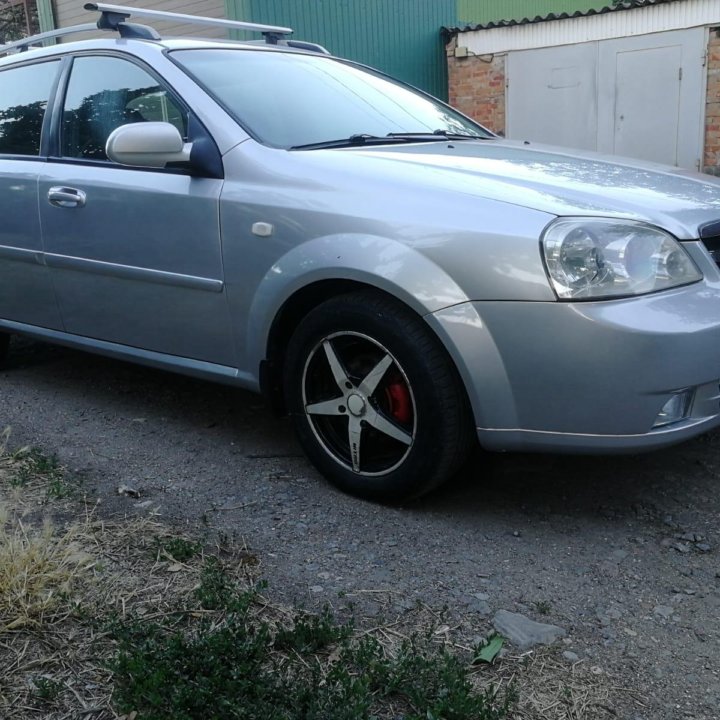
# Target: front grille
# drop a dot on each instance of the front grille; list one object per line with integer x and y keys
{"x": 712, "y": 244}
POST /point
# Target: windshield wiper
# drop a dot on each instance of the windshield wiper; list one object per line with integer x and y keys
{"x": 353, "y": 141}
{"x": 439, "y": 135}
{"x": 361, "y": 139}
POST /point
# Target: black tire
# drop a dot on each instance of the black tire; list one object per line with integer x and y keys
{"x": 391, "y": 434}
{"x": 4, "y": 348}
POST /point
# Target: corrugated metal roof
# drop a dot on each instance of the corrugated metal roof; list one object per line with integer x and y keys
{"x": 628, "y": 5}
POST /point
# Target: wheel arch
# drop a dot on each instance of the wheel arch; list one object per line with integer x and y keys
{"x": 287, "y": 318}
{"x": 332, "y": 265}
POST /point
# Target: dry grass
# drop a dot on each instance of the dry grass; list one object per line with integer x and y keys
{"x": 61, "y": 580}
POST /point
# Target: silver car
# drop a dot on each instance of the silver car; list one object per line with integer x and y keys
{"x": 399, "y": 280}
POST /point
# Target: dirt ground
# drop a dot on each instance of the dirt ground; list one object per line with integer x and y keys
{"x": 621, "y": 552}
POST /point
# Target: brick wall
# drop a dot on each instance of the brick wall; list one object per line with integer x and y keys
{"x": 477, "y": 87}
{"x": 712, "y": 109}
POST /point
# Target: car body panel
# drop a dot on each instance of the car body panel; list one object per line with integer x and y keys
{"x": 22, "y": 269}
{"x": 140, "y": 263}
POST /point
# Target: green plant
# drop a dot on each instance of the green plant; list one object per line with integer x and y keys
{"x": 312, "y": 633}
{"x": 178, "y": 548}
{"x": 57, "y": 489}
{"x": 231, "y": 663}
{"x": 35, "y": 464}
{"x": 47, "y": 689}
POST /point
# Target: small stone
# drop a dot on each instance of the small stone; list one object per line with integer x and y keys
{"x": 570, "y": 656}
{"x": 324, "y": 575}
{"x": 516, "y": 533}
{"x": 523, "y": 632}
{"x": 316, "y": 588}
{"x": 703, "y": 547}
{"x": 691, "y": 537}
{"x": 681, "y": 547}
{"x": 663, "y": 611}
{"x": 128, "y": 491}
{"x": 619, "y": 555}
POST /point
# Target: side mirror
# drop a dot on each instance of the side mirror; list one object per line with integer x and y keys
{"x": 147, "y": 144}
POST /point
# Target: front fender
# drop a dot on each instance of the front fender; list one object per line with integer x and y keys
{"x": 386, "y": 264}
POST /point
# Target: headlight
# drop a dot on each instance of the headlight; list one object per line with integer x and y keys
{"x": 592, "y": 258}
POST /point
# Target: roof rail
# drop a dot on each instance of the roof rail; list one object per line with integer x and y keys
{"x": 25, "y": 43}
{"x": 113, "y": 15}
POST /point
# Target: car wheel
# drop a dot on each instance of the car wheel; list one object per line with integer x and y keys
{"x": 4, "y": 348}
{"x": 376, "y": 402}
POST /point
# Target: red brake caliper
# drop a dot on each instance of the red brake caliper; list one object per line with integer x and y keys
{"x": 400, "y": 403}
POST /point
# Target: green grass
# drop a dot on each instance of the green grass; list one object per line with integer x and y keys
{"x": 35, "y": 466}
{"x": 178, "y": 548}
{"x": 219, "y": 658}
{"x": 47, "y": 689}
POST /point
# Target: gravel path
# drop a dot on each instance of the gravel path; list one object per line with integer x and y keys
{"x": 619, "y": 551}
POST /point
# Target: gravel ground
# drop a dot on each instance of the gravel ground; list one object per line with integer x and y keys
{"x": 619, "y": 551}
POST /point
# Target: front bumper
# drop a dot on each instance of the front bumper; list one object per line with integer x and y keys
{"x": 587, "y": 377}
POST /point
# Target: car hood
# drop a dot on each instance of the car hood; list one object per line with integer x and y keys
{"x": 553, "y": 180}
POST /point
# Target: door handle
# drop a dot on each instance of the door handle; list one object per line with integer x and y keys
{"x": 66, "y": 197}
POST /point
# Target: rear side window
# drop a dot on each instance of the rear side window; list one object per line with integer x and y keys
{"x": 24, "y": 94}
{"x": 105, "y": 93}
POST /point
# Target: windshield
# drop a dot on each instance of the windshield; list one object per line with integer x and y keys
{"x": 288, "y": 100}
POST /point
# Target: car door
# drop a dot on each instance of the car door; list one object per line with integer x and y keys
{"x": 134, "y": 253}
{"x": 26, "y": 294}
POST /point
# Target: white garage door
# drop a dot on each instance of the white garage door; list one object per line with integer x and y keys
{"x": 640, "y": 96}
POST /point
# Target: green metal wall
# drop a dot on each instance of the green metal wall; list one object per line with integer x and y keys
{"x": 399, "y": 37}
{"x": 483, "y": 11}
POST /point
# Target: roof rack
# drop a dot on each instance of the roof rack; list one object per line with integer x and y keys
{"x": 114, "y": 17}
{"x": 25, "y": 43}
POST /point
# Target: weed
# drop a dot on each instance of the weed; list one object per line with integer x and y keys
{"x": 57, "y": 489}
{"x": 312, "y": 633}
{"x": 35, "y": 465}
{"x": 47, "y": 689}
{"x": 37, "y": 568}
{"x": 215, "y": 591}
{"x": 543, "y": 607}
{"x": 178, "y": 548}
{"x": 233, "y": 664}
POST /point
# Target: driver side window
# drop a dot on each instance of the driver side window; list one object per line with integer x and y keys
{"x": 106, "y": 92}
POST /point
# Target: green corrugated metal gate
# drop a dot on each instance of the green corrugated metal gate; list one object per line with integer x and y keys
{"x": 399, "y": 37}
